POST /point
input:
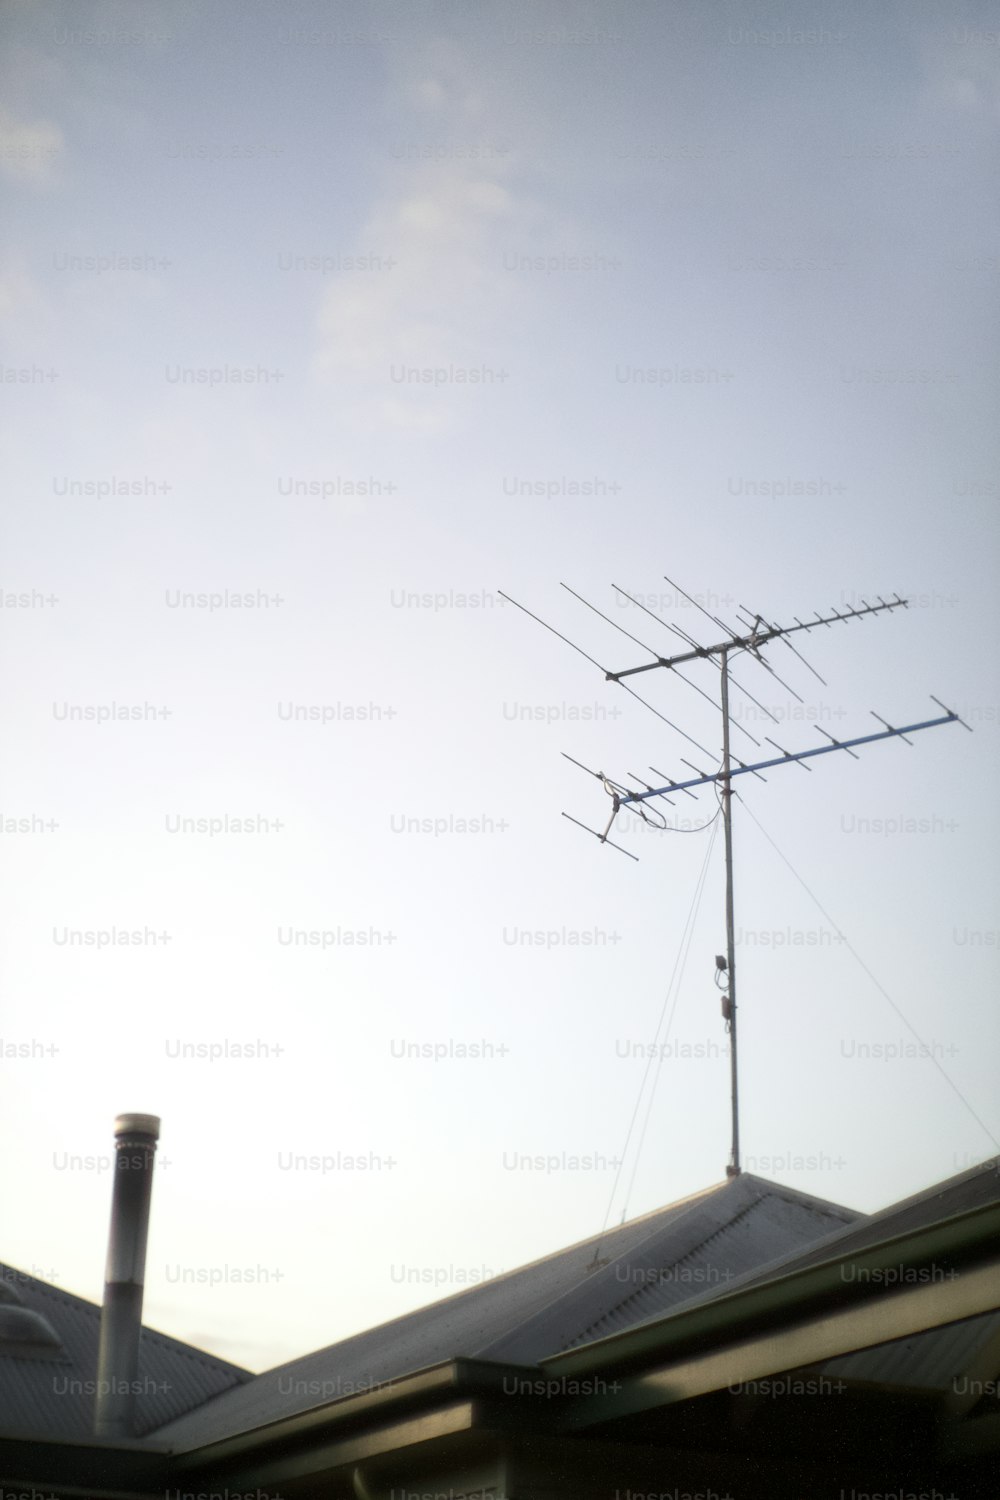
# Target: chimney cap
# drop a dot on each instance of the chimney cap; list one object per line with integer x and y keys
{"x": 133, "y": 1124}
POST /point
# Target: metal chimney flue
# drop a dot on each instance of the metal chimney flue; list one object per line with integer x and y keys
{"x": 124, "y": 1278}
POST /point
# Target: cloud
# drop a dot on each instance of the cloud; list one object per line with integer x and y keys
{"x": 961, "y": 66}
{"x": 29, "y": 322}
{"x": 448, "y": 202}
{"x": 438, "y": 305}
{"x": 29, "y": 149}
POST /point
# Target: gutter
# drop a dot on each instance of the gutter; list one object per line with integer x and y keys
{"x": 446, "y": 1387}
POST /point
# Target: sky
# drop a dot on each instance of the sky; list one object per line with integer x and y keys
{"x": 324, "y": 325}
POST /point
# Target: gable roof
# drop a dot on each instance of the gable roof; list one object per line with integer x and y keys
{"x": 602, "y": 1284}
{"x": 928, "y": 1360}
{"x": 973, "y": 1188}
{"x": 48, "y": 1364}
{"x": 740, "y": 1233}
{"x": 932, "y": 1360}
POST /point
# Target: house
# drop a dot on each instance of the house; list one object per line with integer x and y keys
{"x": 749, "y": 1341}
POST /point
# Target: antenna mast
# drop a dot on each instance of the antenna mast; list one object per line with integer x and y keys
{"x": 755, "y": 634}
{"x": 729, "y": 1011}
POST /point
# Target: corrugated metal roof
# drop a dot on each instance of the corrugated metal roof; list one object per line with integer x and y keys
{"x": 737, "y": 1233}
{"x": 928, "y": 1361}
{"x": 543, "y": 1308}
{"x": 48, "y": 1390}
{"x": 934, "y": 1360}
{"x": 738, "y": 1228}
{"x": 974, "y": 1188}
{"x": 931, "y": 1361}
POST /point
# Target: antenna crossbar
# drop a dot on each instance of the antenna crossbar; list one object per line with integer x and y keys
{"x": 799, "y": 755}
{"x": 757, "y": 638}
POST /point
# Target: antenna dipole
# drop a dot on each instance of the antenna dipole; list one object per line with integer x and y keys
{"x": 756, "y": 633}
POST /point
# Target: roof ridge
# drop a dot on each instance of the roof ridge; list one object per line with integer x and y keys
{"x": 796, "y": 1195}
{"x": 191, "y": 1351}
{"x": 688, "y": 1205}
{"x": 603, "y": 1234}
{"x": 493, "y": 1281}
{"x": 989, "y": 1164}
{"x": 691, "y": 1250}
{"x": 517, "y": 1270}
{"x": 61, "y": 1295}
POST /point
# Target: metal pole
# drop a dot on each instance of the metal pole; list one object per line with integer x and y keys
{"x": 727, "y": 815}
{"x": 124, "y": 1278}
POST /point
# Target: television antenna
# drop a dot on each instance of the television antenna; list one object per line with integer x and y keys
{"x": 754, "y": 633}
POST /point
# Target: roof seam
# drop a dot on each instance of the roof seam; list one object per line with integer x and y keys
{"x": 639, "y": 1291}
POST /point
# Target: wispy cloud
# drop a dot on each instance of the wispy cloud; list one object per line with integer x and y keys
{"x": 30, "y": 150}
{"x": 450, "y": 199}
{"x": 961, "y": 62}
{"x": 25, "y": 313}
